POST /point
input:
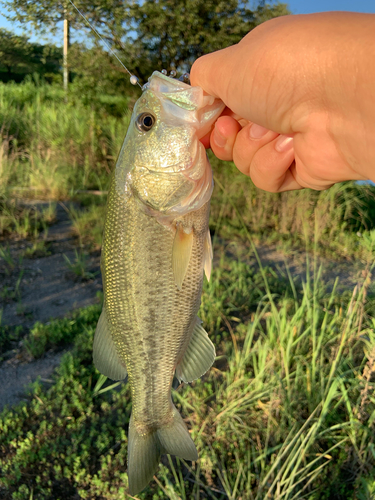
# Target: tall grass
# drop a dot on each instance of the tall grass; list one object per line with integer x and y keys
{"x": 287, "y": 411}
{"x": 336, "y": 218}
{"x": 55, "y": 147}
{"x": 52, "y": 149}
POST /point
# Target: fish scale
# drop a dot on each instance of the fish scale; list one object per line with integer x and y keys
{"x": 152, "y": 312}
{"x": 156, "y": 248}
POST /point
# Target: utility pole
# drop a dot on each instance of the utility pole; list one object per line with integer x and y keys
{"x": 65, "y": 52}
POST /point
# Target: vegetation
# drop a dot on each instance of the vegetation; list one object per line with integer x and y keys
{"x": 74, "y": 147}
{"x": 153, "y": 35}
{"x": 334, "y": 222}
{"x": 287, "y": 411}
{"x": 19, "y": 57}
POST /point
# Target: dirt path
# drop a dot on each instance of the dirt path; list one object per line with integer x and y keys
{"x": 49, "y": 290}
{"x": 16, "y": 375}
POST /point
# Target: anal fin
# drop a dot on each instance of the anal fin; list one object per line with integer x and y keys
{"x": 106, "y": 359}
{"x": 198, "y": 357}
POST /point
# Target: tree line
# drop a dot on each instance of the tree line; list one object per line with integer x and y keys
{"x": 146, "y": 35}
{"x": 19, "y": 57}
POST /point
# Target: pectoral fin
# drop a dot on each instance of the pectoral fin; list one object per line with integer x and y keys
{"x": 199, "y": 355}
{"x": 181, "y": 253}
{"x": 106, "y": 359}
{"x": 207, "y": 256}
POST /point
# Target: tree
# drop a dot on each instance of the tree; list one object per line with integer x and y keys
{"x": 14, "y": 50}
{"x": 20, "y": 57}
{"x": 152, "y": 34}
{"x": 173, "y": 33}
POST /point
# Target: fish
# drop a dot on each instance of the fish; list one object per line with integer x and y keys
{"x": 156, "y": 249}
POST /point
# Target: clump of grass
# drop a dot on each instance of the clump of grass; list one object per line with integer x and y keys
{"x": 79, "y": 265}
{"x": 6, "y": 256}
{"x": 289, "y": 415}
{"x": 9, "y": 336}
{"x": 37, "y": 250}
{"x": 59, "y": 332}
{"x": 8, "y": 294}
{"x": 88, "y": 225}
{"x": 24, "y": 222}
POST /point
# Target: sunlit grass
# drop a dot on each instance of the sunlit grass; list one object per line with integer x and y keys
{"x": 286, "y": 412}
{"x": 52, "y": 147}
{"x": 288, "y": 409}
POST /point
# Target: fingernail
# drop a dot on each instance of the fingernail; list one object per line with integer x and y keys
{"x": 257, "y": 131}
{"x": 284, "y": 143}
{"x": 219, "y": 138}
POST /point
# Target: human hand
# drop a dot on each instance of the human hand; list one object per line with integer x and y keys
{"x": 300, "y": 100}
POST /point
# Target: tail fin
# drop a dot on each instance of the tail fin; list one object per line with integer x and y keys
{"x": 144, "y": 450}
{"x": 175, "y": 438}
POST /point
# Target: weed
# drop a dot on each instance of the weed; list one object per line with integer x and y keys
{"x": 59, "y": 332}
{"x": 37, "y": 250}
{"x": 88, "y": 225}
{"x": 278, "y": 421}
{"x": 48, "y": 214}
{"x": 79, "y": 266}
{"x": 23, "y": 222}
{"x": 6, "y": 255}
{"x": 12, "y": 293}
{"x": 9, "y": 336}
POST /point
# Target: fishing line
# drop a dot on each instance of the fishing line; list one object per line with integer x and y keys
{"x": 133, "y": 78}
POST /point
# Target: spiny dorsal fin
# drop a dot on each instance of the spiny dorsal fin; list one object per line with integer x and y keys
{"x": 207, "y": 256}
{"x": 106, "y": 359}
{"x": 181, "y": 253}
{"x": 198, "y": 357}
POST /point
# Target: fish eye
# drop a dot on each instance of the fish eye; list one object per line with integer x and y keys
{"x": 145, "y": 122}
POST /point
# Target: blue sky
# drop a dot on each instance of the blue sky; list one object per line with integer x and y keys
{"x": 296, "y": 6}
{"x": 310, "y": 6}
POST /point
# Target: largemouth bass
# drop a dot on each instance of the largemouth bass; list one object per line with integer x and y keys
{"x": 156, "y": 248}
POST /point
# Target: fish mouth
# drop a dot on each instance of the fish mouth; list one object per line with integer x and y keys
{"x": 186, "y": 102}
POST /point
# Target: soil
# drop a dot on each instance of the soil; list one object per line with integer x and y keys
{"x": 48, "y": 289}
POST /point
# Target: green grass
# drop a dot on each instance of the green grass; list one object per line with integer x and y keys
{"x": 88, "y": 224}
{"x": 9, "y": 336}
{"x": 79, "y": 265}
{"x": 286, "y": 412}
{"x": 59, "y": 332}
{"x": 336, "y": 218}
{"x": 53, "y": 148}
{"x": 23, "y": 222}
